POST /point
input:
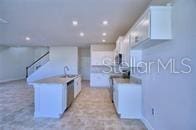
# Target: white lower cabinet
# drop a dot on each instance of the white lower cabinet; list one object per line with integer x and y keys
{"x": 77, "y": 86}
{"x": 50, "y": 100}
{"x": 99, "y": 80}
{"x": 127, "y": 100}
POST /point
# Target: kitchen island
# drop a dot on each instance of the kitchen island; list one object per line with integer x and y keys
{"x": 53, "y": 95}
{"x": 127, "y": 97}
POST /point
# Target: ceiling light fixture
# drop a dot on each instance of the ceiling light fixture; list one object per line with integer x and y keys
{"x": 81, "y": 34}
{"x": 103, "y": 40}
{"x": 27, "y": 38}
{"x": 104, "y": 34}
{"x": 75, "y": 23}
{"x": 105, "y": 22}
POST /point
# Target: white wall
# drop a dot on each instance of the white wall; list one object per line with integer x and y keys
{"x": 84, "y": 62}
{"x": 173, "y": 96}
{"x": 102, "y": 47}
{"x": 13, "y": 62}
{"x": 59, "y": 57}
{"x": 40, "y": 51}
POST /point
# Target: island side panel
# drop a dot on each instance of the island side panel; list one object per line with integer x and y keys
{"x": 49, "y": 100}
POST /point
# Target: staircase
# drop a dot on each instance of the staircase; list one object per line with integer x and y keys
{"x": 37, "y": 64}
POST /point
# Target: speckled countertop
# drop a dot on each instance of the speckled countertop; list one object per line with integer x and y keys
{"x": 131, "y": 80}
{"x": 55, "y": 80}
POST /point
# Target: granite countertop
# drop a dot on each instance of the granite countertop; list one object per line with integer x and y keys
{"x": 131, "y": 80}
{"x": 55, "y": 80}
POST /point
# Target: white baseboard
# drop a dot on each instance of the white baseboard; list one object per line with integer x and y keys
{"x": 13, "y": 79}
{"x": 147, "y": 124}
{"x": 47, "y": 115}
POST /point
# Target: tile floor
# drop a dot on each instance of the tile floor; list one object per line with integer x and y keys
{"x": 92, "y": 110}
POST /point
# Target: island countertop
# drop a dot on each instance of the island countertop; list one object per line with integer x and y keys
{"x": 55, "y": 80}
{"x": 131, "y": 80}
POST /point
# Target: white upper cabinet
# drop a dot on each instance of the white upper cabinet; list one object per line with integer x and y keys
{"x": 102, "y": 55}
{"x": 99, "y": 58}
{"x": 122, "y": 47}
{"x": 154, "y": 25}
{"x": 119, "y": 48}
{"x": 125, "y": 51}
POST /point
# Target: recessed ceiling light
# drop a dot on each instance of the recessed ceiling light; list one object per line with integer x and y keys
{"x": 105, "y": 22}
{"x": 27, "y": 38}
{"x": 104, "y": 34}
{"x": 75, "y": 23}
{"x": 103, "y": 40}
{"x": 81, "y": 34}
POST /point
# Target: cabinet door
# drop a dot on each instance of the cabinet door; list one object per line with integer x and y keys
{"x": 79, "y": 85}
{"x": 102, "y": 58}
{"x": 117, "y": 47}
{"x": 95, "y": 58}
{"x": 64, "y": 98}
{"x": 75, "y": 87}
{"x": 99, "y": 80}
{"x": 141, "y": 30}
{"x": 136, "y": 34}
{"x": 125, "y": 52}
{"x": 108, "y": 58}
{"x": 118, "y": 42}
{"x": 145, "y": 25}
{"x": 132, "y": 37}
{"x": 115, "y": 97}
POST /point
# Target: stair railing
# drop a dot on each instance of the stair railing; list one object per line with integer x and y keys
{"x": 37, "y": 64}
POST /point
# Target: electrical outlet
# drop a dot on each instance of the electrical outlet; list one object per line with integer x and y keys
{"x": 152, "y": 112}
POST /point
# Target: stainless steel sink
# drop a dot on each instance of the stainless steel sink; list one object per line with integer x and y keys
{"x": 69, "y": 76}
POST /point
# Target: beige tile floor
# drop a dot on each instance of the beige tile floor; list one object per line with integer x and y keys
{"x": 92, "y": 110}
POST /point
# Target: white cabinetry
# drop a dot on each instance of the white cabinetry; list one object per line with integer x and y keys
{"x": 99, "y": 58}
{"x": 102, "y": 58}
{"x": 99, "y": 80}
{"x": 127, "y": 100}
{"x": 122, "y": 47}
{"x": 119, "y": 45}
{"x": 152, "y": 27}
{"x": 77, "y": 86}
{"x": 50, "y": 100}
{"x": 125, "y": 51}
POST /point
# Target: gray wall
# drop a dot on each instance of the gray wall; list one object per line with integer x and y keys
{"x": 173, "y": 96}
{"x": 63, "y": 55}
{"x": 14, "y": 60}
{"x": 84, "y": 62}
{"x": 102, "y": 47}
{"x": 60, "y": 57}
{"x": 40, "y": 51}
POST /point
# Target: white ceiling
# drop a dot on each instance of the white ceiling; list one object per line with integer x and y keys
{"x": 49, "y": 22}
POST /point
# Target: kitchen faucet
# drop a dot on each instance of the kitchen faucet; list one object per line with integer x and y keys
{"x": 66, "y": 68}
